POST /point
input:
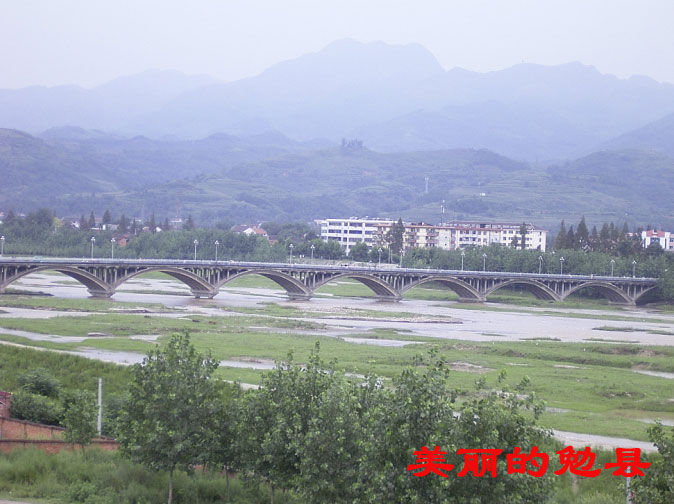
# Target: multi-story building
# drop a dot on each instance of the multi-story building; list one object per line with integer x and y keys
{"x": 664, "y": 238}
{"x": 452, "y": 236}
{"x": 480, "y": 234}
{"x": 350, "y": 231}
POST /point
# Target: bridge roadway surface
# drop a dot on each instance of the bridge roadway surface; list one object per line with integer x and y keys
{"x": 388, "y": 282}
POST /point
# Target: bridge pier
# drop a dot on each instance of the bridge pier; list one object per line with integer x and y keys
{"x": 471, "y": 300}
{"x": 297, "y": 296}
{"x": 388, "y": 299}
{"x": 101, "y": 293}
{"x": 201, "y": 293}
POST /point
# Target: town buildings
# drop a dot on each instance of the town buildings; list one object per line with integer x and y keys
{"x": 664, "y": 238}
{"x": 451, "y": 236}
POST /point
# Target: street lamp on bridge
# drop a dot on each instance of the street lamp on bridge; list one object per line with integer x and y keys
{"x": 93, "y": 240}
{"x": 379, "y": 260}
{"x": 112, "y": 247}
{"x": 291, "y": 246}
{"x": 612, "y": 264}
{"x": 561, "y": 265}
{"x": 2, "y": 245}
{"x": 463, "y": 254}
{"x": 540, "y": 264}
{"x": 217, "y": 244}
{"x": 195, "y": 242}
{"x": 401, "y": 258}
{"x": 312, "y": 251}
{"x": 484, "y": 261}
{"x": 634, "y": 267}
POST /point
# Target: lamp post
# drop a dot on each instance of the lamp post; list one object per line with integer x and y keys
{"x": 93, "y": 240}
{"x": 195, "y": 242}
{"x": 463, "y": 254}
{"x": 291, "y": 246}
{"x": 217, "y": 244}
{"x": 634, "y": 267}
{"x": 561, "y": 265}
{"x": 390, "y": 255}
{"x": 612, "y": 264}
{"x": 484, "y": 261}
{"x": 2, "y": 245}
{"x": 540, "y": 264}
{"x": 379, "y": 261}
{"x": 401, "y": 258}
{"x": 112, "y": 248}
{"x": 312, "y": 251}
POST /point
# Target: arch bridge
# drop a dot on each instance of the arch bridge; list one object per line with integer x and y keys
{"x": 103, "y": 276}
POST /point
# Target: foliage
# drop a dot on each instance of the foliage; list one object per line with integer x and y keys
{"x": 167, "y": 419}
{"x": 36, "y": 408}
{"x": 39, "y": 381}
{"x": 657, "y": 485}
{"x": 79, "y": 418}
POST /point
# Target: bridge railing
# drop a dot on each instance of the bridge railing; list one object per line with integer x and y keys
{"x": 313, "y": 267}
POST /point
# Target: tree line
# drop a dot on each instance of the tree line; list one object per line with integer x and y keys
{"x": 324, "y": 437}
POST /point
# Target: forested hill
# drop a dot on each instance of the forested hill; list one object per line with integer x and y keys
{"x": 269, "y": 177}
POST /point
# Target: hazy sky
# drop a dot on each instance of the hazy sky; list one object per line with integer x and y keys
{"x": 88, "y": 42}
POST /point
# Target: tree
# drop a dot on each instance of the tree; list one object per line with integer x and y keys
{"x": 657, "y": 484}
{"x": 39, "y": 381}
{"x": 571, "y": 239}
{"x": 168, "y": 420}
{"x": 152, "y": 224}
{"x": 560, "y": 240}
{"x": 514, "y": 243}
{"x": 123, "y": 224}
{"x": 189, "y": 224}
{"x": 79, "y": 418}
{"x": 84, "y": 223}
{"x": 523, "y": 233}
{"x": 359, "y": 252}
{"x": 107, "y": 218}
{"x": 582, "y": 234}
{"x": 92, "y": 220}
{"x": 394, "y": 237}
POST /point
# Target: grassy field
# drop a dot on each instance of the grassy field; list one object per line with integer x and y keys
{"x": 608, "y": 397}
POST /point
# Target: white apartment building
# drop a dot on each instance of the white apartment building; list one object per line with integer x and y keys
{"x": 480, "y": 234}
{"x": 664, "y": 238}
{"x": 452, "y": 236}
{"x": 350, "y": 231}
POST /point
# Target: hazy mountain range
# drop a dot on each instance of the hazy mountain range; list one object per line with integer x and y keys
{"x": 395, "y": 98}
{"x": 529, "y": 142}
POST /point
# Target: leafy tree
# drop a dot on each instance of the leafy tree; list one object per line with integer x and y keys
{"x": 514, "y": 243}
{"x": 359, "y": 252}
{"x": 84, "y": 224}
{"x": 523, "y": 234}
{"x": 582, "y": 234}
{"x": 79, "y": 418}
{"x": 123, "y": 224}
{"x": 571, "y": 242}
{"x": 167, "y": 422}
{"x": 657, "y": 484}
{"x": 560, "y": 240}
{"x": 394, "y": 237}
{"x": 189, "y": 224}
{"x": 107, "y": 218}
{"x": 152, "y": 224}
{"x": 92, "y": 220}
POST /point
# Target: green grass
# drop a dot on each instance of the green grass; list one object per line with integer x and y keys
{"x": 69, "y": 304}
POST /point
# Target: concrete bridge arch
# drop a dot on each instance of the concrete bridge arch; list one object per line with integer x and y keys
{"x": 609, "y": 291}
{"x": 465, "y": 291}
{"x": 293, "y": 287}
{"x": 382, "y": 289}
{"x": 197, "y": 285}
{"x": 538, "y": 289}
{"x": 94, "y": 285}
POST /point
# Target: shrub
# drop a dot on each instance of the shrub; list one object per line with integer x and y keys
{"x": 36, "y": 408}
{"x": 39, "y": 381}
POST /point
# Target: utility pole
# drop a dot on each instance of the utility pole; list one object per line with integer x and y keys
{"x": 99, "y": 421}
